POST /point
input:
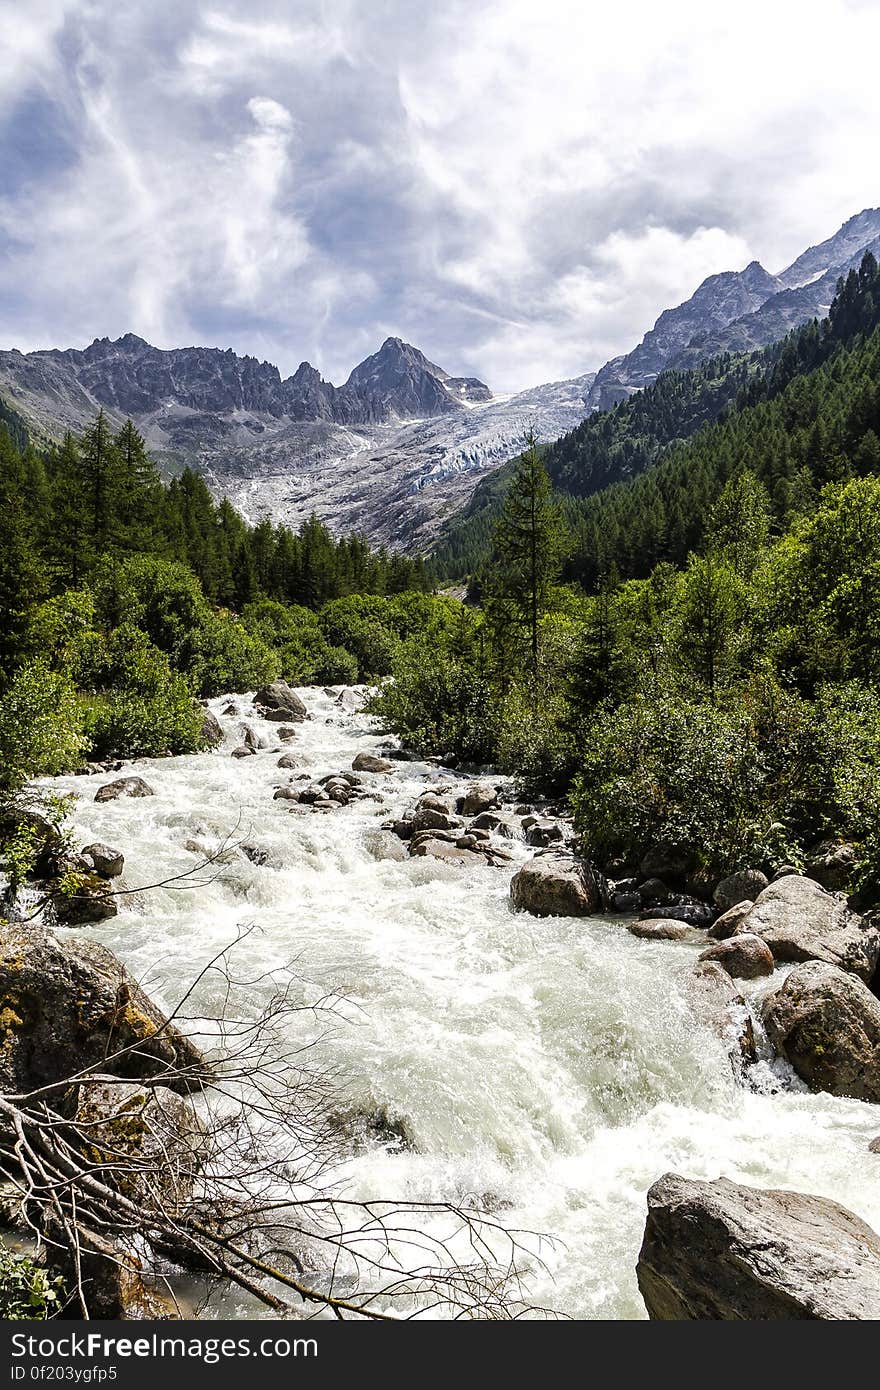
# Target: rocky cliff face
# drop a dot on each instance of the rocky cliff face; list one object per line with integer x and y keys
{"x": 134, "y": 378}
{"x": 738, "y": 311}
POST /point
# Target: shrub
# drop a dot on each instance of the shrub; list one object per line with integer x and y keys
{"x": 439, "y": 704}
{"x": 40, "y": 726}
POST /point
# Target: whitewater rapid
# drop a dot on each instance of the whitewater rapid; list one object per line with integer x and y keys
{"x": 549, "y": 1070}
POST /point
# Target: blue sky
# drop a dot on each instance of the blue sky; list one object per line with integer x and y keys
{"x": 516, "y": 186}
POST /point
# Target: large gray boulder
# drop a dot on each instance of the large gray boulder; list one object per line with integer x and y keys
{"x": 721, "y": 1251}
{"x": 277, "y": 701}
{"x": 480, "y": 797}
{"x": 717, "y": 1002}
{"x": 826, "y": 1023}
{"x": 368, "y": 762}
{"x": 124, "y": 786}
{"x": 739, "y": 887}
{"x": 72, "y": 1006}
{"x": 800, "y": 921}
{"x": 744, "y": 957}
{"x": 555, "y": 886}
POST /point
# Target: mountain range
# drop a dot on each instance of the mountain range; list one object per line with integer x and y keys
{"x": 738, "y": 311}
{"x": 400, "y": 446}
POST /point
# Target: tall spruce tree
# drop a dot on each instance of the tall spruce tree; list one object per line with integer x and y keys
{"x": 527, "y": 545}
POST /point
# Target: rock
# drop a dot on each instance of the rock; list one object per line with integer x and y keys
{"x": 555, "y": 886}
{"x": 426, "y": 818}
{"x": 287, "y": 794}
{"x": 832, "y": 863}
{"x": 73, "y": 1006}
{"x": 279, "y": 702}
{"x": 666, "y": 861}
{"x": 625, "y": 902}
{"x": 544, "y": 833}
{"x": 431, "y": 802}
{"x": 288, "y": 760}
{"x": 695, "y": 914}
{"x": 654, "y": 890}
{"x": 744, "y": 957}
{"x": 659, "y": 929}
{"x": 476, "y": 799}
{"x": 403, "y": 829}
{"x": 150, "y": 1132}
{"x": 441, "y": 849}
{"x": 367, "y": 762}
{"x": 243, "y": 752}
{"x": 251, "y": 738}
{"x": 799, "y": 921}
{"x": 212, "y": 730}
{"x": 719, "y": 1250}
{"x": 497, "y": 824}
{"x": 826, "y": 1023}
{"x": 730, "y": 922}
{"x": 113, "y": 1281}
{"x": 108, "y": 862}
{"x": 256, "y": 854}
{"x": 874, "y": 1146}
{"x": 739, "y": 887}
{"x": 784, "y": 871}
{"x": 286, "y": 733}
{"x": 91, "y": 902}
{"x": 230, "y": 708}
{"x": 718, "y": 1002}
{"x": 124, "y": 786}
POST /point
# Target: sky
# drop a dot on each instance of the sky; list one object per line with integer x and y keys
{"x": 518, "y": 187}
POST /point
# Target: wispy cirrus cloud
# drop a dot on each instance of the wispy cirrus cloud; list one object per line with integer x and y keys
{"x": 519, "y": 189}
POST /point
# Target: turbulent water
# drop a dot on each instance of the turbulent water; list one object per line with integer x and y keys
{"x": 551, "y": 1069}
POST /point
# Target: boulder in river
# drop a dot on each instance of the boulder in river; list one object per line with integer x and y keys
{"x": 212, "y": 730}
{"x": 731, "y": 921}
{"x": 544, "y": 833}
{"x": 744, "y": 957}
{"x": 72, "y": 1005}
{"x": 124, "y": 786}
{"x": 723, "y": 1251}
{"x": 799, "y": 920}
{"x": 826, "y": 1023}
{"x": 286, "y": 733}
{"x": 481, "y": 797}
{"x": 659, "y": 929}
{"x": 368, "y": 762}
{"x": 717, "y": 1001}
{"x": 556, "y": 886}
{"x": 739, "y": 887}
{"x": 288, "y": 760}
{"x": 427, "y": 818}
{"x": 243, "y": 751}
{"x": 107, "y": 862}
{"x": 91, "y": 901}
{"x": 695, "y": 914}
{"x": 277, "y": 701}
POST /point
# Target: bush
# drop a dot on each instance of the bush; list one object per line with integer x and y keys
{"x": 40, "y": 726}
{"x": 142, "y": 708}
{"x": 28, "y": 1292}
{"x": 360, "y": 624}
{"x": 438, "y": 704}
{"x": 223, "y": 656}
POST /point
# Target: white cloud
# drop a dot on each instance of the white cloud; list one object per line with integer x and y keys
{"x": 518, "y": 188}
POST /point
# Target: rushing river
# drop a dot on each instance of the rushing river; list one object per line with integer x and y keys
{"x": 554, "y": 1064}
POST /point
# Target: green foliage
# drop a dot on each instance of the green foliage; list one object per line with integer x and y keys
{"x": 40, "y": 726}
{"x": 28, "y": 1291}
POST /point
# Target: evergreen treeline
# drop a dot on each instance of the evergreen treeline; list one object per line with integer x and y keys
{"x": 123, "y": 598}
{"x": 636, "y": 481}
